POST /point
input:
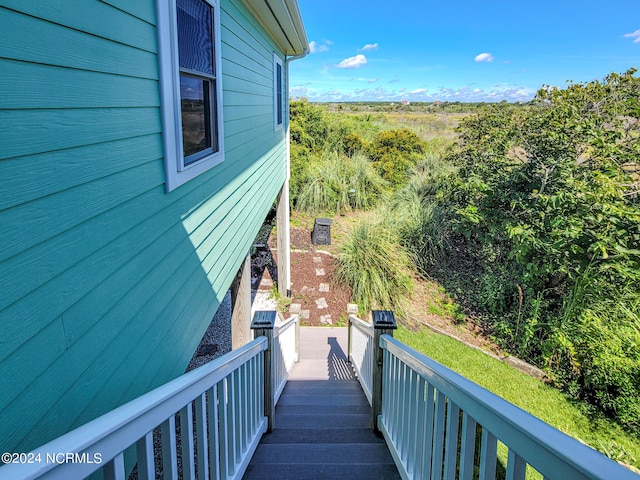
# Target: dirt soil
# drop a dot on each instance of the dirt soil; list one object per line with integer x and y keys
{"x": 321, "y": 301}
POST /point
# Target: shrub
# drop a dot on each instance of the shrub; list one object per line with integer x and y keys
{"x": 550, "y": 212}
{"x": 394, "y": 153}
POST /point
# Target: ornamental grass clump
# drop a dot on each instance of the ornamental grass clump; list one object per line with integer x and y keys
{"x": 376, "y": 269}
{"x": 336, "y": 183}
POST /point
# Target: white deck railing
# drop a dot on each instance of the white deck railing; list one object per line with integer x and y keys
{"x": 361, "y": 352}
{"x": 285, "y": 353}
{"x": 223, "y": 400}
{"x": 431, "y": 417}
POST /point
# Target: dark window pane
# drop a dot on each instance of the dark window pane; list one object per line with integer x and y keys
{"x": 279, "y": 92}
{"x": 214, "y": 117}
{"x": 195, "y": 35}
{"x": 196, "y": 116}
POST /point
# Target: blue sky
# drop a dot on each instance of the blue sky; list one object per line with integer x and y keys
{"x": 460, "y": 50}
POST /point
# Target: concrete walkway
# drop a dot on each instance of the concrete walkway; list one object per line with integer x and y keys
{"x": 322, "y": 420}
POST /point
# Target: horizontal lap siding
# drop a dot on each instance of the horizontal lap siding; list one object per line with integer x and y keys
{"x": 108, "y": 283}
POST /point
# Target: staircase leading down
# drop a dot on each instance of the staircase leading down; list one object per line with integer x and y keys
{"x": 322, "y": 427}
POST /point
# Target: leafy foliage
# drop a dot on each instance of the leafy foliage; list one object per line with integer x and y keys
{"x": 395, "y": 152}
{"x": 533, "y": 221}
{"x": 547, "y": 202}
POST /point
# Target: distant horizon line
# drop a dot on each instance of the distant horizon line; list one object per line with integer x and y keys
{"x": 396, "y": 102}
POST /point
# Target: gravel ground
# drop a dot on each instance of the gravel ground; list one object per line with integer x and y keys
{"x": 217, "y": 339}
{"x": 215, "y": 342}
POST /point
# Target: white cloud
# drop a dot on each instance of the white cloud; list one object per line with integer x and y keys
{"x": 484, "y": 57}
{"x": 355, "y": 90}
{"x": 635, "y": 35}
{"x": 369, "y": 46}
{"x": 315, "y": 47}
{"x": 353, "y": 62}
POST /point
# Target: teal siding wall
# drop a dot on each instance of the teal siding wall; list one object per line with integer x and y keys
{"x": 107, "y": 283}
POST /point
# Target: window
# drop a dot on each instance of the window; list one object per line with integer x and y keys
{"x": 278, "y": 92}
{"x": 189, "y": 57}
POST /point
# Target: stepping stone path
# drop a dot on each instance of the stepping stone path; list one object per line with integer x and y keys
{"x": 320, "y": 303}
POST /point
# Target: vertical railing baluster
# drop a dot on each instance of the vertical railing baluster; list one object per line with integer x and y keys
{"x": 488, "y": 455}
{"x": 371, "y": 348}
{"x": 516, "y": 466}
{"x": 253, "y": 420}
{"x": 246, "y": 432}
{"x": 428, "y": 432}
{"x": 467, "y": 447}
{"x": 256, "y": 414}
{"x": 438, "y": 436}
{"x": 223, "y": 424}
{"x": 144, "y": 453}
{"x": 201, "y": 437}
{"x": 421, "y": 416}
{"x": 414, "y": 408}
{"x": 239, "y": 415}
{"x": 186, "y": 440}
{"x": 244, "y": 399}
{"x": 395, "y": 419}
{"x": 114, "y": 470}
{"x": 400, "y": 444}
{"x": 261, "y": 386}
{"x": 451, "y": 441}
{"x": 169, "y": 457}
{"x": 385, "y": 390}
{"x": 234, "y": 421}
{"x": 215, "y": 427}
{"x": 407, "y": 421}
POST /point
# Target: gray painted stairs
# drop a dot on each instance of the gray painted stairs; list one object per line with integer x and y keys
{"x": 322, "y": 420}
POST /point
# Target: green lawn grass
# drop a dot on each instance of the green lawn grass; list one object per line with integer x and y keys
{"x": 547, "y": 403}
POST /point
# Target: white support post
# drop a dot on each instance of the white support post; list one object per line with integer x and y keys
{"x": 241, "y": 306}
{"x": 284, "y": 242}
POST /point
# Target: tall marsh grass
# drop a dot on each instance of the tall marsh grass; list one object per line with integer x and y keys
{"x": 375, "y": 267}
{"x": 422, "y": 220}
{"x": 337, "y": 183}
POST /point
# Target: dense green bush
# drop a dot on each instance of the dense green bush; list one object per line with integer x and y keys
{"x": 547, "y": 207}
{"x": 394, "y": 153}
{"x": 533, "y": 221}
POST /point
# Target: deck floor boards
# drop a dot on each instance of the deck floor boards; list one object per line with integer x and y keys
{"x": 322, "y": 428}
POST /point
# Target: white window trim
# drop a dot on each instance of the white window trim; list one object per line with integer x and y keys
{"x": 277, "y": 61}
{"x": 176, "y": 173}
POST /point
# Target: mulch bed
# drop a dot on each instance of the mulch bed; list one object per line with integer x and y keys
{"x": 311, "y": 276}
